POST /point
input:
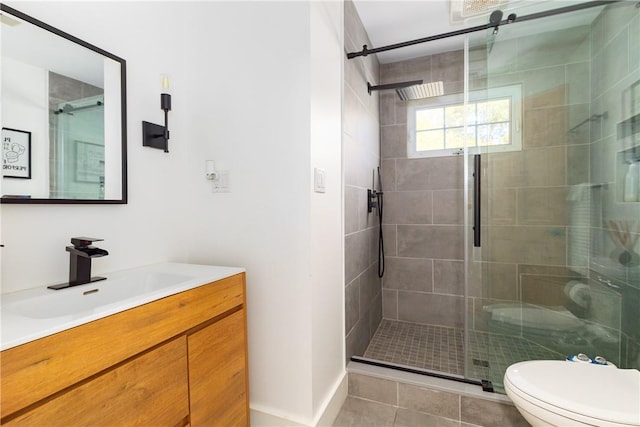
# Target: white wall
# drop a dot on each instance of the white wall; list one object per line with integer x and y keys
{"x": 258, "y": 125}
{"x": 256, "y": 88}
{"x": 327, "y": 32}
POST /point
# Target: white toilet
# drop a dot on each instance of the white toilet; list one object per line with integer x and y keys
{"x": 561, "y": 393}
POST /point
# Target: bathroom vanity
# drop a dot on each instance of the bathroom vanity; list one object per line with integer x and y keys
{"x": 177, "y": 360}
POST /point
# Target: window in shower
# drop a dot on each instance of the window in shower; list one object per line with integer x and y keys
{"x": 436, "y": 126}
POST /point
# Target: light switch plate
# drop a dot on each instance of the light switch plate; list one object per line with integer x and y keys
{"x": 319, "y": 183}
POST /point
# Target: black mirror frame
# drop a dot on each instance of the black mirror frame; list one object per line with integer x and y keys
{"x": 123, "y": 118}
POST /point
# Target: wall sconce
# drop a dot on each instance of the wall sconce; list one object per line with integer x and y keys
{"x": 156, "y": 136}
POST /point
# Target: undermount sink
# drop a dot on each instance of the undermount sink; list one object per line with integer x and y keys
{"x": 38, "y": 312}
{"x": 86, "y": 298}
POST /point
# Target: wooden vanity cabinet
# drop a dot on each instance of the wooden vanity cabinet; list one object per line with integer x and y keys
{"x": 217, "y": 373}
{"x": 195, "y": 377}
{"x": 150, "y": 390}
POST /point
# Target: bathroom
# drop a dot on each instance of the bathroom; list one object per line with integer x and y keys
{"x": 302, "y": 263}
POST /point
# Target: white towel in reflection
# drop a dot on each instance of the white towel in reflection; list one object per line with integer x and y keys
{"x": 579, "y": 192}
{"x": 579, "y": 217}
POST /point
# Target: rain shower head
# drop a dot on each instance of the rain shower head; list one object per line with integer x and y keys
{"x": 426, "y": 90}
{"x": 408, "y": 91}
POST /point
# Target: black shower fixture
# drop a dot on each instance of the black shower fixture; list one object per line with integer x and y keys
{"x": 494, "y": 19}
{"x": 408, "y": 91}
{"x": 494, "y": 22}
{"x": 392, "y": 86}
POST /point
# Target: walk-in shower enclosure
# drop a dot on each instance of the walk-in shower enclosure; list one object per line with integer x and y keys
{"x": 512, "y": 201}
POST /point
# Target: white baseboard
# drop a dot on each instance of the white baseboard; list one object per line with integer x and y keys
{"x": 267, "y": 417}
{"x": 264, "y": 419}
{"x": 333, "y": 404}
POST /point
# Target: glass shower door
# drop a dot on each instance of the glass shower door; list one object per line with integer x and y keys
{"x": 543, "y": 117}
{"x": 77, "y": 165}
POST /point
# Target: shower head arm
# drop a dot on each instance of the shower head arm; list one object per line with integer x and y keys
{"x": 392, "y": 86}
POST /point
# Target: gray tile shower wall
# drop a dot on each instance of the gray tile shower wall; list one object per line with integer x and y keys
{"x": 423, "y": 210}
{"x": 615, "y": 69}
{"x": 526, "y": 209}
{"x": 361, "y": 145}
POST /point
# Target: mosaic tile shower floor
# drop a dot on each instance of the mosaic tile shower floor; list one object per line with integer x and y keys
{"x": 439, "y": 348}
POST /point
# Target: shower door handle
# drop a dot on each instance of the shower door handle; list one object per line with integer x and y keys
{"x": 477, "y": 171}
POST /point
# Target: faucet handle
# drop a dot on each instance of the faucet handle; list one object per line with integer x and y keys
{"x": 83, "y": 242}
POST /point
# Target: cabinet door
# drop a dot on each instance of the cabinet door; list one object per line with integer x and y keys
{"x": 149, "y": 390}
{"x": 218, "y": 373}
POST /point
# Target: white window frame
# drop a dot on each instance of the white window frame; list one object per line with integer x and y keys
{"x": 514, "y": 92}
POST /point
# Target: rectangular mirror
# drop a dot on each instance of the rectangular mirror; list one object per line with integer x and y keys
{"x": 64, "y": 123}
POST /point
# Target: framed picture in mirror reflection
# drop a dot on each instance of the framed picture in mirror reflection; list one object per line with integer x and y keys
{"x": 89, "y": 162}
{"x": 16, "y": 153}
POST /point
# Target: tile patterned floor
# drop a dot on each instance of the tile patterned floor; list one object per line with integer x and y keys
{"x": 365, "y": 413}
{"x": 429, "y": 347}
{"x": 501, "y": 351}
{"x": 438, "y": 348}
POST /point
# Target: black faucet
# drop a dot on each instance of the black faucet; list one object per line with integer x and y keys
{"x": 80, "y": 262}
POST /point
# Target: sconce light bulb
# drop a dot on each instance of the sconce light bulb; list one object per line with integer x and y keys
{"x": 165, "y": 82}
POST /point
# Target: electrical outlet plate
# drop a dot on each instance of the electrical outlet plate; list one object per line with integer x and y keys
{"x": 221, "y": 183}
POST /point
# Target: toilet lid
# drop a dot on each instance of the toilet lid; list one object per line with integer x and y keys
{"x": 601, "y": 392}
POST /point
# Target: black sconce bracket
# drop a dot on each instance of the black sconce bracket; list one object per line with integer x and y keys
{"x": 153, "y": 136}
{"x": 156, "y": 136}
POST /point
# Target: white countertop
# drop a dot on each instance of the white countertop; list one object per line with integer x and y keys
{"x": 36, "y": 313}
